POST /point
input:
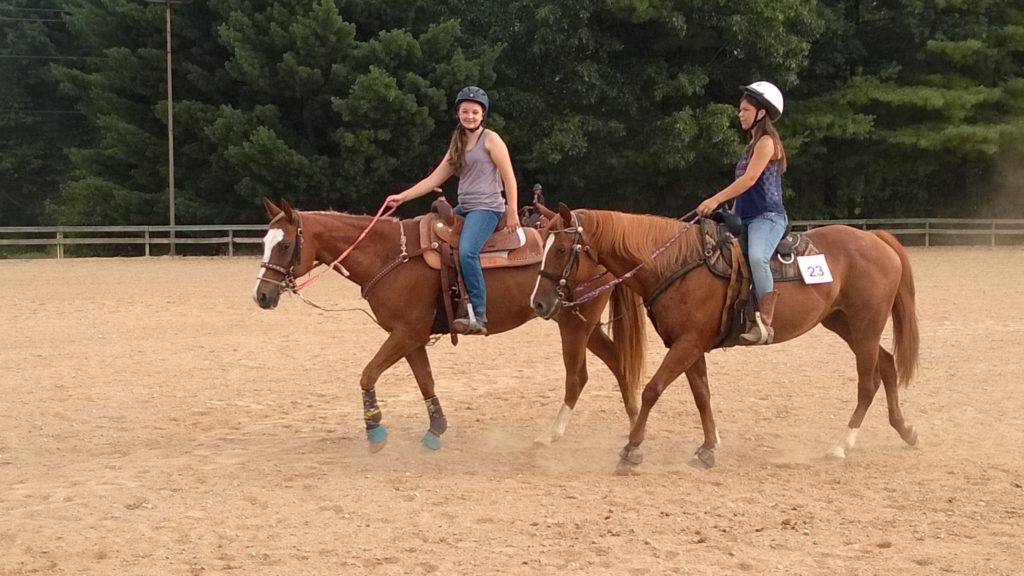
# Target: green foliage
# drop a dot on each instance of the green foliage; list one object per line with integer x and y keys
{"x": 930, "y": 90}
{"x": 898, "y": 107}
{"x": 619, "y": 103}
{"x": 36, "y": 123}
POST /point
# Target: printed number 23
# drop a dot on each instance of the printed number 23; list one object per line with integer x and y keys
{"x": 815, "y": 271}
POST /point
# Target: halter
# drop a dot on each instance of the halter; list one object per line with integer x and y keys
{"x": 288, "y": 283}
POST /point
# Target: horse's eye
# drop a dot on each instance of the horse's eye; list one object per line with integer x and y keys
{"x": 285, "y": 245}
{"x": 561, "y": 250}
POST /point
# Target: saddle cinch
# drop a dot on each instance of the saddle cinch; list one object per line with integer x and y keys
{"x": 439, "y": 241}
{"x": 722, "y": 255}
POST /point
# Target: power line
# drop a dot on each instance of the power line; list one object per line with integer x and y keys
{"x": 34, "y": 9}
{"x": 8, "y": 19}
{"x": 43, "y": 57}
{"x": 24, "y": 111}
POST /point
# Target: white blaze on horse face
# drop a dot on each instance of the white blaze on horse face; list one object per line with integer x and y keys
{"x": 547, "y": 246}
{"x": 273, "y": 237}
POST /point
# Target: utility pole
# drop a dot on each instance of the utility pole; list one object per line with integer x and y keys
{"x": 170, "y": 116}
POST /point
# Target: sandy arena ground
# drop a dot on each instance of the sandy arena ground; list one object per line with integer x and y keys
{"x": 153, "y": 420}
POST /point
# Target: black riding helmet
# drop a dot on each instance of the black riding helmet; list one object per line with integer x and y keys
{"x": 473, "y": 94}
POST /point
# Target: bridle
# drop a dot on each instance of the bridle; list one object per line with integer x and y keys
{"x": 288, "y": 282}
{"x": 572, "y": 264}
{"x": 579, "y": 245}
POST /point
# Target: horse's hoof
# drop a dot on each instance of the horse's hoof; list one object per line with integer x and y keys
{"x": 378, "y": 437}
{"x": 837, "y": 453}
{"x": 703, "y": 458}
{"x": 625, "y": 468}
{"x": 910, "y": 436}
{"x": 630, "y": 458}
{"x": 631, "y": 455}
{"x": 432, "y": 440}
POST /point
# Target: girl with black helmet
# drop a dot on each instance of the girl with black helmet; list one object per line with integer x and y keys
{"x": 758, "y": 193}
{"x": 480, "y": 158}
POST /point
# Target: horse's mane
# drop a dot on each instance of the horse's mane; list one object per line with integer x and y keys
{"x": 637, "y": 236}
{"x": 336, "y": 214}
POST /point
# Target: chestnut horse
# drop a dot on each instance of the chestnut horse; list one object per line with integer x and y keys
{"x": 403, "y": 293}
{"x": 872, "y": 281}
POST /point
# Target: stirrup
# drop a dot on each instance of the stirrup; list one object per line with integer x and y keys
{"x": 469, "y": 327}
{"x": 758, "y": 333}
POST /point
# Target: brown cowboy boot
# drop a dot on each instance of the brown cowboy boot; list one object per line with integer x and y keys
{"x": 762, "y": 332}
{"x": 469, "y": 327}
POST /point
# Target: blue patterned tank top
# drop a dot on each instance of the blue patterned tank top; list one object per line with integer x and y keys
{"x": 765, "y": 195}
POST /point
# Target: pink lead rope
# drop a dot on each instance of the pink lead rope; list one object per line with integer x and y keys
{"x": 381, "y": 213}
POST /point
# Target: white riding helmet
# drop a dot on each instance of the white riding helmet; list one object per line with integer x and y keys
{"x": 768, "y": 96}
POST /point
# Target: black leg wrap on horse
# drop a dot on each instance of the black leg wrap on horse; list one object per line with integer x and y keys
{"x": 371, "y": 411}
{"x": 438, "y": 423}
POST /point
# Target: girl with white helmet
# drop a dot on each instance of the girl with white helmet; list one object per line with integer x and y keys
{"x": 758, "y": 193}
{"x": 480, "y": 158}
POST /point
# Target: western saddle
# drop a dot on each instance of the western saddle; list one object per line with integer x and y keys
{"x": 439, "y": 241}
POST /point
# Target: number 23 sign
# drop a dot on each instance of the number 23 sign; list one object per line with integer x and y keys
{"x": 814, "y": 269}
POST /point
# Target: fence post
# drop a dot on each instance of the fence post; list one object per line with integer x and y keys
{"x": 147, "y": 240}
{"x": 231, "y": 243}
{"x": 927, "y": 234}
{"x": 993, "y": 234}
{"x": 60, "y": 242}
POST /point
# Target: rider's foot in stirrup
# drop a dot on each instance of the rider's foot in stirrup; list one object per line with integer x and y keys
{"x": 470, "y": 327}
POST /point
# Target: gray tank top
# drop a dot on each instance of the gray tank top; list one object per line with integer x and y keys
{"x": 479, "y": 182}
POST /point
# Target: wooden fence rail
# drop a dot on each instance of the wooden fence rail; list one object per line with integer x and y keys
{"x": 61, "y": 236}
{"x": 929, "y": 227}
{"x": 960, "y": 230}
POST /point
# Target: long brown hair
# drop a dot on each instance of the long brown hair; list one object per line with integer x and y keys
{"x": 763, "y": 127}
{"x": 457, "y": 148}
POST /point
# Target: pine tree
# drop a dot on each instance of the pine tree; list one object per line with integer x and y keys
{"x": 36, "y": 122}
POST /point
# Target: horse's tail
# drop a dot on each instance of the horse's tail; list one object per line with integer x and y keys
{"x": 906, "y": 339}
{"x": 629, "y": 332}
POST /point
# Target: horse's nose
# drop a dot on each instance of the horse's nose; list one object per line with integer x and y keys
{"x": 263, "y": 300}
{"x": 540, "y": 309}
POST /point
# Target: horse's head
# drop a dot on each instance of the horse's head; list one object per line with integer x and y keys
{"x": 286, "y": 255}
{"x": 563, "y": 263}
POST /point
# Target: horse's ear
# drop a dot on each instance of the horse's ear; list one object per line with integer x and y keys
{"x": 287, "y": 209}
{"x": 544, "y": 210}
{"x": 565, "y": 213}
{"x": 272, "y": 209}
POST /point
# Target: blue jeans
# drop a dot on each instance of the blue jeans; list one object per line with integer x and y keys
{"x": 478, "y": 226}
{"x": 762, "y": 236}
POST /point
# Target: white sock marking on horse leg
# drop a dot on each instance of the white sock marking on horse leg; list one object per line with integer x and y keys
{"x": 562, "y": 421}
{"x": 851, "y": 438}
{"x": 846, "y": 444}
{"x": 558, "y": 426}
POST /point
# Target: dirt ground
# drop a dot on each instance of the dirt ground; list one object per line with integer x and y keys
{"x": 153, "y": 420}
